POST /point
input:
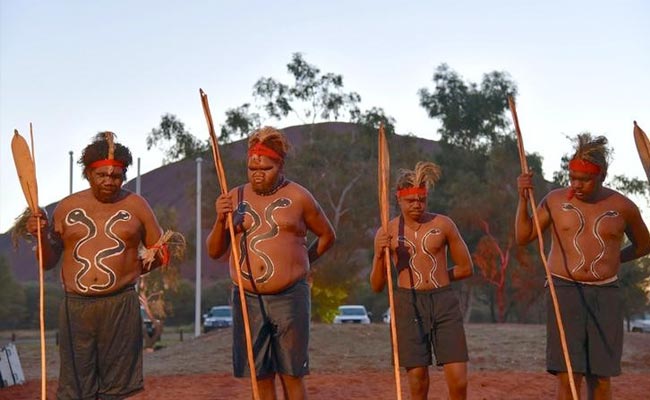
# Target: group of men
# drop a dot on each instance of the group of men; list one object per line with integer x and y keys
{"x": 98, "y": 232}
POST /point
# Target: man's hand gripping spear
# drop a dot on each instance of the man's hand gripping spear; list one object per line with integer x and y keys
{"x": 383, "y": 175}
{"x": 26, "y": 169}
{"x": 549, "y": 277}
{"x": 221, "y": 176}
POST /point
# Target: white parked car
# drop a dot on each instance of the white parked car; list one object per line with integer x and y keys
{"x": 352, "y": 314}
{"x": 640, "y": 323}
{"x": 218, "y": 317}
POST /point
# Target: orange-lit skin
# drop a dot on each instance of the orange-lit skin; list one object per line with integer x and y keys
{"x": 99, "y": 203}
{"x": 287, "y": 250}
{"x": 417, "y": 223}
{"x": 588, "y": 223}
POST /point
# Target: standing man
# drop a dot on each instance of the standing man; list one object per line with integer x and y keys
{"x": 427, "y": 310}
{"x": 96, "y": 233}
{"x": 272, "y": 216}
{"x": 588, "y": 222}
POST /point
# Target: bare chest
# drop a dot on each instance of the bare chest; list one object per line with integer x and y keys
{"x": 100, "y": 227}
{"x": 273, "y": 217}
{"x": 589, "y": 221}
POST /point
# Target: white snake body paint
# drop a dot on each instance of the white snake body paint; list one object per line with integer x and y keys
{"x": 414, "y": 253}
{"x": 581, "y": 218}
{"x": 119, "y": 247}
{"x": 434, "y": 261}
{"x": 255, "y": 239}
{"x": 606, "y": 214}
{"x": 79, "y": 216}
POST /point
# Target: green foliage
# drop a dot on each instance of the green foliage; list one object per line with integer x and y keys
{"x": 181, "y": 301}
{"x": 53, "y": 298}
{"x": 218, "y": 293}
{"x": 311, "y": 96}
{"x": 240, "y": 122}
{"x": 371, "y": 119}
{"x": 634, "y": 280}
{"x": 183, "y": 143}
{"x": 156, "y": 285}
{"x": 325, "y": 301}
{"x": 472, "y": 116}
{"x": 12, "y": 298}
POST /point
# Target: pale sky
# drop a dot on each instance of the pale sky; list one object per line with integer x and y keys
{"x": 74, "y": 68}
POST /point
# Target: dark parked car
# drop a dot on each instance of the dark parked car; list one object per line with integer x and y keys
{"x": 218, "y": 317}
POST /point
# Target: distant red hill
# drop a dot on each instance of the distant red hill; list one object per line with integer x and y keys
{"x": 173, "y": 186}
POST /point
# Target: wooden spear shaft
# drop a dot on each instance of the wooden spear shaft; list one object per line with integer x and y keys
{"x": 41, "y": 288}
{"x": 26, "y": 169}
{"x": 383, "y": 173}
{"x": 540, "y": 239}
{"x": 221, "y": 176}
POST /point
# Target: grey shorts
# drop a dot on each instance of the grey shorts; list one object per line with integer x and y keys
{"x": 593, "y": 324}
{"x": 279, "y": 329}
{"x": 100, "y": 346}
{"x": 426, "y": 319}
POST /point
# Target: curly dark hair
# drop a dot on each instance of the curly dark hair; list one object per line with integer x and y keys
{"x": 272, "y": 138}
{"x": 100, "y": 149}
{"x": 593, "y": 149}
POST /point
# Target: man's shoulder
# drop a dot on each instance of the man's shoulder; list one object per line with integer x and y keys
{"x": 298, "y": 192}
{"x": 619, "y": 200}
{"x": 559, "y": 194}
{"x": 73, "y": 200}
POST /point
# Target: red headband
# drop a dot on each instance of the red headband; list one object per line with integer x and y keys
{"x": 258, "y": 149}
{"x": 106, "y": 162}
{"x": 580, "y": 165}
{"x": 421, "y": 191}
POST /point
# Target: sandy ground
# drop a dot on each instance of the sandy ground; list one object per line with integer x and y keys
{"x": 353, "y": 362}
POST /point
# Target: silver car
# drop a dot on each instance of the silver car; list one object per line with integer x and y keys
{"x": 354, "y": 314}
{"x": 218, "y": 317}
{"x": 640, "y": 323}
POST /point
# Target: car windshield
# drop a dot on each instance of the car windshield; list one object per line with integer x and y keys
{"x": 220, "y": 312}
{"x": 352, "y": 311}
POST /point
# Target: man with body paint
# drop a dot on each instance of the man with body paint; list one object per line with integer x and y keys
{"x": 427, "y": 310}
{"x": 272, "y": 216}
{"x": 97, "y": 233}
{"x": 588, "y": 223}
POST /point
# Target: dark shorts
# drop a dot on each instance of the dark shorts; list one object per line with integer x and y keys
{"x": 426, "y": 319}
{"x": 101, "y": 346}
{"x": 593, "y": 324}
{"x": 279, "y": 329}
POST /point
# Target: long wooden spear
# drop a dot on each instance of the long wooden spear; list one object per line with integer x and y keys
{"x": 643, "y": 148}
{"x": 383, "y": 175}
{"x": 540, "y": 239}
{"x": 221, "y": 176}
{"x": 26, "y": 169}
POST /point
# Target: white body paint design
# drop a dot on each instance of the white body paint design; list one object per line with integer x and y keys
{"x": 269, "y": 219}
{"x": 434, "y": 261}
{"x": 581, "y": 218}
{"x": 414, "y": 253}
{"x": 119, "y": 247}
{"x": 79, "y": 216}
{"x": 599, "y": 219}
{"x": 411, "y": 245}
{"x": 606, "y": 214}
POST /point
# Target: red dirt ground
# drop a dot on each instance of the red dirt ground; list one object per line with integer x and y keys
{"x": 353, "y": 362}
